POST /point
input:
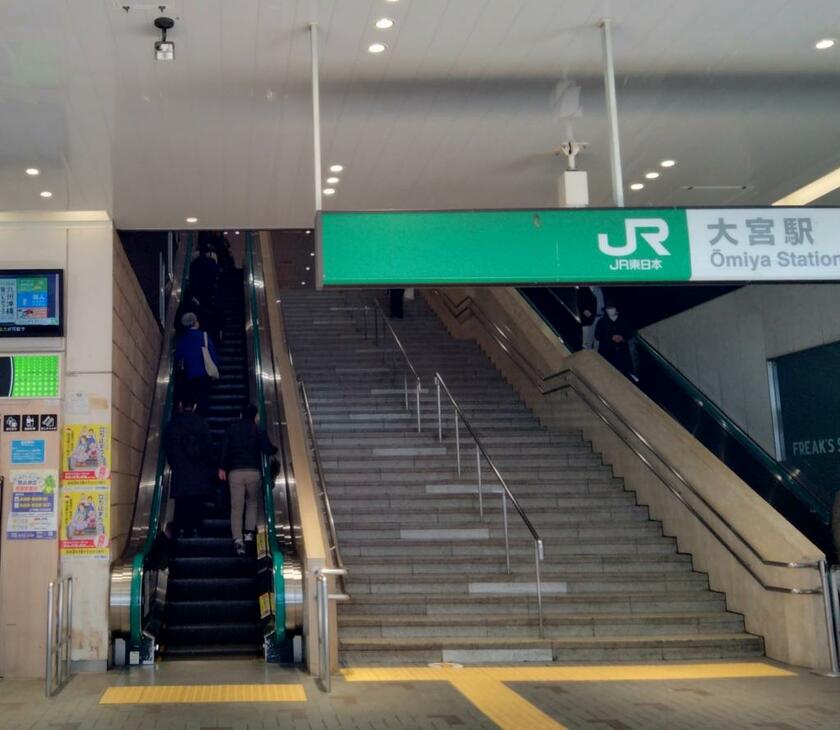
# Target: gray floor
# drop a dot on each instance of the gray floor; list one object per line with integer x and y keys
{"x": 799, "y": 701}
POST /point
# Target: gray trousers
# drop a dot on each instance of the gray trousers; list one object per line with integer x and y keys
{"x": 244, "y": 498}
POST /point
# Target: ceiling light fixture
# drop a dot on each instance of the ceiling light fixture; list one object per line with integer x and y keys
{"x": 825, "y": 44}
{"x": 384, "y": 23}
{"x": 311, "y": 253}
{"x": 164, "y": 49}
{"x": 637, "y": 186}
{"x": 192, "y": 219}
{"x": 333, "y": 180}
{"x": 236, "y": 232}
{"x": 376, "y": 48}
{"x": 308, "y": 233}
{"x": 652, "y": 175}
{"x": 813, "y": 191}
{"x": 337, "y": 168}
{"x": 308, "y": 268}
{"x": 46, "y": 194}
{"x": 329, "y": 191}
{"x": 668, "y": 163}
{"x": 303, "y": 283}
{"x": 32, "y": 171}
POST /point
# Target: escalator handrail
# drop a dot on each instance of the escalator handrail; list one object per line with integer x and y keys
{"x": 275, "y": 553}
{"x": 779, "y": 470}
{"x": 152, "y": 489}
{"x": 506, "y": 344}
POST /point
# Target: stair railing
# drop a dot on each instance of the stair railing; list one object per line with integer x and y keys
{"x": 409, "y": 369}
{"x": 59, "y": 625}
{"x": 539, "y": 552}
{"x": 337, "y": 560}
{"x": 610, "y": 416}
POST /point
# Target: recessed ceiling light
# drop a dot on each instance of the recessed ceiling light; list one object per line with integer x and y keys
{"x": 225, "y": 233}
{"x": 311, "y": 253}
{"x": 46, "y": 194}
{"x": 33, "y": 171}
{"x": 303, "y": 283}
{"x": 337, "y": 168}
{"x": 652, "y": 175}
{"x": 192, "y": 219}
{"x": 308, "y": 233}
{"x": 329, "y": 191}
{"x": 384, "y": 23}
{"x": 236, "y": 232}
{"x": 668, "y": 163}
{"x": 637, "y": 186}
{"x": 333, "y": 180}
{"x": 376, "y": 47}
{"x": 392, "y": 1}
{"x": 308, "y": 268}
{"x": 825, "y": 44}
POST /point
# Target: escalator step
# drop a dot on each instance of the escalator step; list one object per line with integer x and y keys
{"x": 203, "y": 634}
{"x": 213, "y": 567}
{"x": 209, "y": 589}
{"x": 213, "y": 650}
{"x": 213, "y": 612}
{"x": 215, "y": 546}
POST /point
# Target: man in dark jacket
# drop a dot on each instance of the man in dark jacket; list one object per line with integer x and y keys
{"x": 613, "y": 335}
{"x": 243, "y": 447}
{"x": 189, "y": 451}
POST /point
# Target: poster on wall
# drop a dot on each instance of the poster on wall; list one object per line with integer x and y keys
{"x": 86, "y": 453}
{"x": 33, "y": 505}
{"x": 86, "y": 521}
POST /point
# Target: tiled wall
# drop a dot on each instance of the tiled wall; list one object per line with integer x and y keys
{"x": 136, "y": 349}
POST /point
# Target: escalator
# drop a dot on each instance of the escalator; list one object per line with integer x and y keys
{"x": 188, "y": 596}
{"x": 803, "y": 501}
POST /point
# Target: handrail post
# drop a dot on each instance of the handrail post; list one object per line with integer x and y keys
{"x": 478, "y": 471}
{"x": 324, "y": 631}
{"x": 419, "y": 388}
{"x": 457, "y": 442}
{"x": 440, "y": 423}
{"x": 69, "y": 624}
{"x": 538, "y": 556}
{"x": 829, "y": 601}
{"x": 507, "y": 540}
{"x": 49, "y": 647}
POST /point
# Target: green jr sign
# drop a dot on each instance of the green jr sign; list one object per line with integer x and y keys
{"x": 588, "y": 245}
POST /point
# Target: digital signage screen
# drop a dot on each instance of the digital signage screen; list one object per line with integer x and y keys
{"x": 31, "y": 303}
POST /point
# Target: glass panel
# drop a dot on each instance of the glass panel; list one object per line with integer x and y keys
{"x": 803, "y": 498}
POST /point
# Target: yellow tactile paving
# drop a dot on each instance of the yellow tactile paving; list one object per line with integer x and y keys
{"x": 203, "y": 694}
{"x": 610, "y": 673}
{"x": 484, "y": 688}
{"x": 501, "y": 704}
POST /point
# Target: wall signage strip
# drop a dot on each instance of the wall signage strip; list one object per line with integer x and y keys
{"x": 656, "y": 245}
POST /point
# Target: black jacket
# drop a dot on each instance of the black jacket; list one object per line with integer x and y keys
{"x": 243, "y": 446}
{"x": 189, "y": 451}
{"x": 586, "y": 302}
{"x": 616, "y": 353}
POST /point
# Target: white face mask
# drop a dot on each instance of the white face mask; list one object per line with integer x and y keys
{"x": 612, "y": 313}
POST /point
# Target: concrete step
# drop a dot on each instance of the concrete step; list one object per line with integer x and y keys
{"x": 679, "y": 647}
{"x": 556, "y": 625}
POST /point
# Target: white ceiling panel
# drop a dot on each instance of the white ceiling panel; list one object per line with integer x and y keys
{"x": 460, "y": 111}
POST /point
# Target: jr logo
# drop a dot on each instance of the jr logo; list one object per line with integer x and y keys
{"x": 654, "y": 231}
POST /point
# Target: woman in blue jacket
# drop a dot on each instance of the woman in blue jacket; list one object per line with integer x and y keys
{"x": 196, "y": 375}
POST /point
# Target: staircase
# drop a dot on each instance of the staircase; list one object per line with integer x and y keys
{"x": 212, "y": 606}
{"x": 427, "y": 576}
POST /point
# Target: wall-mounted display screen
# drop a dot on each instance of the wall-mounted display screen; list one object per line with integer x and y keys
{"x": 31, "y": 303}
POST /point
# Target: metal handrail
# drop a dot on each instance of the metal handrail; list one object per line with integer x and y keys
{"x": 802, "y": 489}
{"x": 325, "y": 498}
{"x": 59, "y": 627}
{"x": 379, "y": 313}
{"x": 513, "y": 352}
{"x": 821, "y": 566}
{"x": 323, "y": 598}
{"x": 539, "y": 553}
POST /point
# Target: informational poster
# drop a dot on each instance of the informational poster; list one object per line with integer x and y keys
{"x": 86, "y": 454}
{"x": 33, "y": 506}
{"x": 86, "y": 521}
{"x": 28, "y": 451}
